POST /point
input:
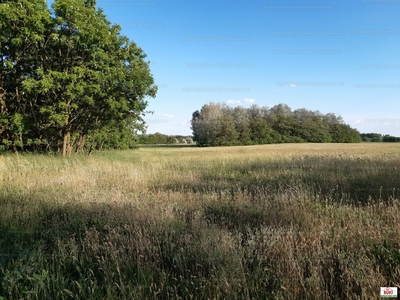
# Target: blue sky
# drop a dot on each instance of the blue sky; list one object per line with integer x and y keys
{"x": 333, "y": 56}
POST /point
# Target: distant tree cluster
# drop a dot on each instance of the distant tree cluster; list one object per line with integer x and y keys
{"x": 377, "y": 137}
{"x": 220, "y": 125}
{"x": 68, "y": 78}
{"x": 372, "y": 137}
{"x": 390, "y": 139}
{"x": 159, "y": 138}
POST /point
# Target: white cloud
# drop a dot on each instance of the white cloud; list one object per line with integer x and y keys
{"x": 234, "y": 102}
{"x": 240, "y": 102}
{"x": 293, "y": 85}
{"x": 250, "y": 101}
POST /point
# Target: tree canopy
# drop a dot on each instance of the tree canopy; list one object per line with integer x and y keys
{"x": 67, "y": 74}
{"x": 218, "y": 125}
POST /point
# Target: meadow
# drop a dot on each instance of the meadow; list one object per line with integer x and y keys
{"x": 288, "y": 221}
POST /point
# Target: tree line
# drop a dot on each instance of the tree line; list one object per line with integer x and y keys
{"x": 220, "y": 125}
{"x": 159, "y": 138}
{"x": 377, "y": 137}
{"x": 68, "y": 78}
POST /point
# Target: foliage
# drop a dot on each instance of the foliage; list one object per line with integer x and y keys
{"x": 261, "y": 133}
{"x": 65, "y": 73}
{"x": 225, "y": 131}
{"x": 343, "y": 133}
{"x": 159, "y": 138}
{"x": 371, "y": 137}
{"x": 391, "y": 139}
{"x": 218, "y": 125}
{"x": 377, "y": 137}
{"x": 204, "y": 124}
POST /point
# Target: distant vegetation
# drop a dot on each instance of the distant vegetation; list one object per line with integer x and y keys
{"x": 159, "y": 138}
{"x": 221, "y": 125}
{"x": 376, "y": 137}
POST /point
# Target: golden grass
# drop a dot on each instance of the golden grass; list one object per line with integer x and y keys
{"x": 288, "y": 221}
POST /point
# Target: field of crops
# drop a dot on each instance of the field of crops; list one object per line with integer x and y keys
{"x": 288, "y": 221}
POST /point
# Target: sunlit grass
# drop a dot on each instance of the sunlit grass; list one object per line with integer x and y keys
{"x": 303, "y": 221}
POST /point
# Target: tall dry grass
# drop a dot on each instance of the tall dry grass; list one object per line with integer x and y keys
{"x": 304, "y": 221}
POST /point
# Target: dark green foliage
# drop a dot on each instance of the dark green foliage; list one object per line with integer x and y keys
{"x": 314, "y": 130}
{"x": 371, "y": 137}
{"x": 391, "y": 139}
{"x": 261, "y": 133}
{"x": 244, "y": 132}
{"x": 159, "y": 138}
{"x": 155, "y": 138}
{"x": 377, "y": 137}
{"x": 115, "y": 135}
{"x": 343, "y": 133}
{"x": 24, "y": 27}
{"x": 225, "y": 132}
{"x": 67, "y": 73}
{"x": 219, "y": 125}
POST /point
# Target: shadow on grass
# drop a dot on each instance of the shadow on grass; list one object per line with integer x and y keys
{"x": 339, "y": 180}
{"x": 100, "y": 251}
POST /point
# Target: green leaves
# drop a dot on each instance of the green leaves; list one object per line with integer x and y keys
{"x": 67, "y": 73}
{"x": 217, "y": 125}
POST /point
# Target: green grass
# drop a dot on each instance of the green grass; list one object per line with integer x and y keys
{"x": 304, "y": 221}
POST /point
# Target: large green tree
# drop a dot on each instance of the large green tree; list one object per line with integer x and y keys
{"x": 205, "y": 124}
{"x": 79, "y": 76}
{"x": 25, "y": 29}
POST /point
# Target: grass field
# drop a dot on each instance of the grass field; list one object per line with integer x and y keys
{"x": 288, "y": 221}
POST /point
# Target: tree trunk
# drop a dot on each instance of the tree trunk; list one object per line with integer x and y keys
{"x": 90, "y": 150}
{"x": 22, "y": 144}
{"x": 66, "y": 144}
{"x": 81, "y": 143}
